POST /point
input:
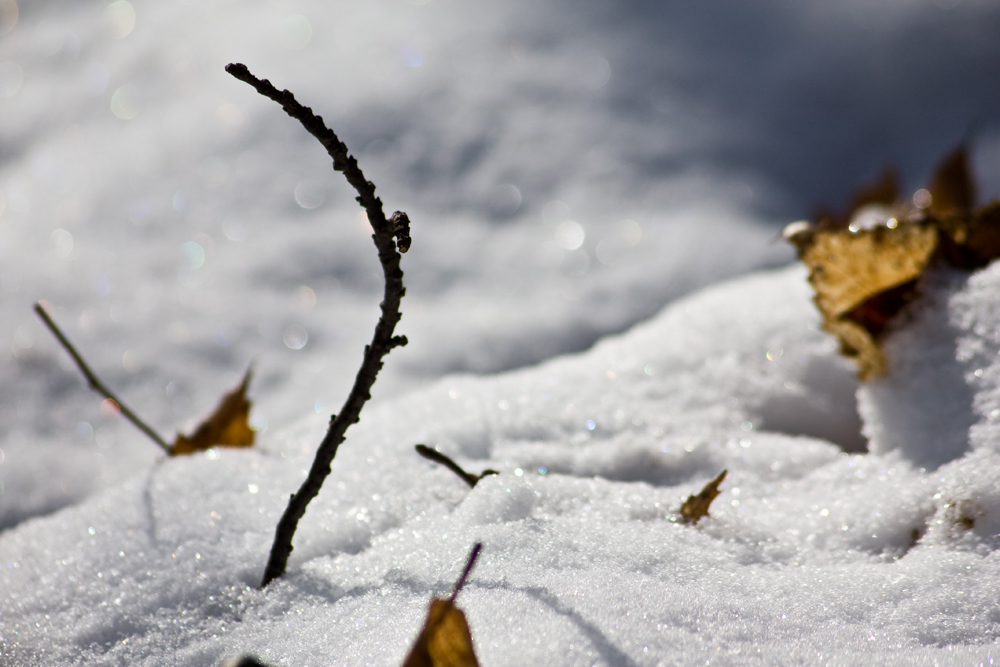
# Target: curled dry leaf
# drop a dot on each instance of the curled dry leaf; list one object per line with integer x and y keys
{"x": 445, "y": 640}
{"x": 696, "y": 506}
{"x": 864, "y": 265}
{"x": 228, "y": 426}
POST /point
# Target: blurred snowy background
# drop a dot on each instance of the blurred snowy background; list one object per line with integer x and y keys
{"x": 569, "y": 169}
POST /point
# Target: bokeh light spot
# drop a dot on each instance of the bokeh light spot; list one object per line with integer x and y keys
{"x": 306, "y": 297}
{"x": 630, "y": 232}
{"x": 295, "y": 337}
{"x": 62, "y": 243}
{"x": 296, "y": 32}
{"x": 234, "y": 231}
{"x": 569, "y": 235}
{"x": 120, "y": 17}
{"x": 193, "y": 255}
{"x": 231, "y": 116}
{"x": 505, "y": 200}
{"x": 125, "y": 103}
{"x": 308, "y": 195}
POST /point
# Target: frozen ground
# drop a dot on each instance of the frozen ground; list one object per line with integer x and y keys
{"x": 570, "y": 168}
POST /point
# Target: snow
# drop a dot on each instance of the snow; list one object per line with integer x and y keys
{"x": 594, "y": 306}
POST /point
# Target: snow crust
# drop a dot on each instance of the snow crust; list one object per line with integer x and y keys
{"x": 811, "y": 554}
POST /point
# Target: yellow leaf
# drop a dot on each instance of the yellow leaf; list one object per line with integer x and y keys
{"x": 445, "y": 640}
{"x": 228, "y": 426}
{"x": 864, "y": 266}
{"x": 862, "y": 278}
{"x": 696, "y": 506}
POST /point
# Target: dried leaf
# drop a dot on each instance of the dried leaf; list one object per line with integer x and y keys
{"x": 862, "y": 279}
{"x": 865, "y": 266}
{"x": 696, "y": 506}
{"x": 445, "y": 640}
{"x": 228, "y": 426}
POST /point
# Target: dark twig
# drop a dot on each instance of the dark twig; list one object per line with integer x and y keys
{"x": 96, "y": 384}
{"x": 385, "y": 236}
{"x": 460, "y": 584}
{"x": 447, "y": 462}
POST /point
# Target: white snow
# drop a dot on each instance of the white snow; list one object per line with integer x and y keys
{"x": 570, "y": 169}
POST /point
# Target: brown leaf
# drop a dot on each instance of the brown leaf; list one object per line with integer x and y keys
{"x": 445, "y": 640}
{"x": 865, "y": 267}
{"x": 862, "y": 279}
{"x": 696, "y": 506}
{"x": 228, "y": 426}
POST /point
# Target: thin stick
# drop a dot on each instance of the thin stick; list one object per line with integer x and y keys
{"x": 387, "y": 232}
{"x": 465, "y": 573}
{"x": 96, "y": 384}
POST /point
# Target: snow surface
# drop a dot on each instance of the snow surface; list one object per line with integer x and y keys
{"x": 570, "y": 169}
{"x": 811, "y": 554}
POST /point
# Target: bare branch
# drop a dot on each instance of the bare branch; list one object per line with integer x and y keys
{"x": 385, "y": 236}
{"x": 96, "y": 384}
{"x": 447, "y": 462}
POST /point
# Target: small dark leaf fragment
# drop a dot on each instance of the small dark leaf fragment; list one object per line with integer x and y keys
{"x": 952, "y": 189}
{"x": 696, "y": 506}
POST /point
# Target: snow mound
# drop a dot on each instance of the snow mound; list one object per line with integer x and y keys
{"x": 811, "y": 554}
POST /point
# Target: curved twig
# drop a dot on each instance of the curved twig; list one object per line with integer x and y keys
{"x": 445, "y": 460}
{"x": 387, "y": 232}
{"x": 96, "y": 384}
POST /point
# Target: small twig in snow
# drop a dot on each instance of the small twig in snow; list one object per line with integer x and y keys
{"x": 447, "y": 462}
{"x": 96, "y": 384}
{"x": 390, "y": 236}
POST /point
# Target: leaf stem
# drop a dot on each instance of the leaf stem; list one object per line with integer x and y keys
{"x": 460, "y": 584}
{"x": 96, "y": 384}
